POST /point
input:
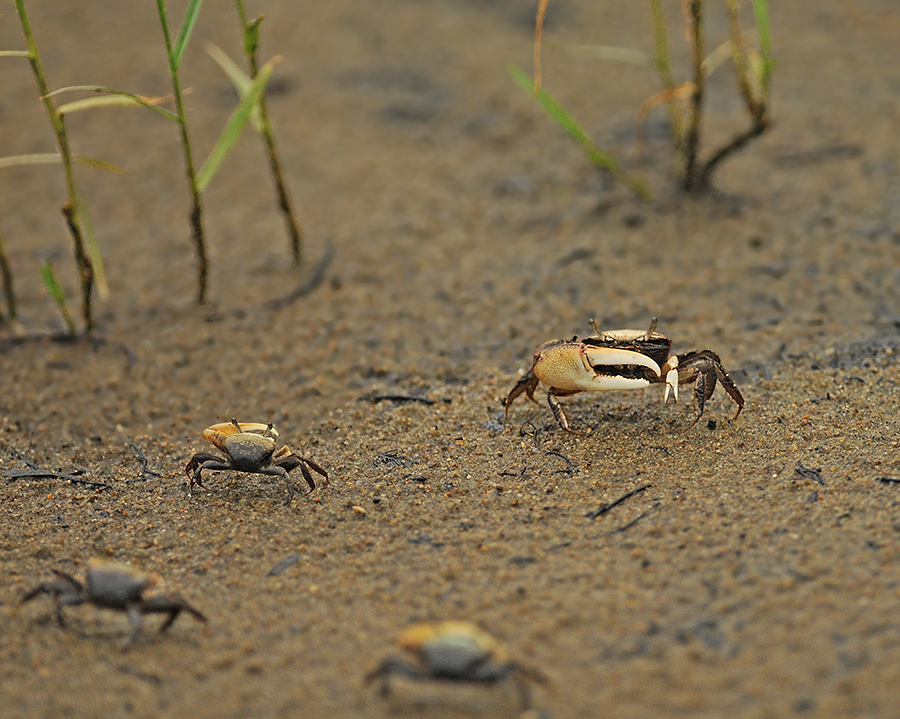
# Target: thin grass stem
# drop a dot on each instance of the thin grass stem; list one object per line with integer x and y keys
{"x": 754, "y": 99}
{"x": 196, "y": 214}
{"x": 693, "y": 12}
{"x": 6, "y": 273}
{"x": 250, "y": 33}
{"x": 70, "y": 208}
{"x": 538, "y": 34}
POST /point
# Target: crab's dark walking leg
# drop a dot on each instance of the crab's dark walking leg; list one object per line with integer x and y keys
{"x": 528, "y": 383}
{"x": 65, "y": 589}
{"x": 703, "y": 390}
{"x": 731, "y": 388}
{"x": 172, "y": 605}
{"x": 558, "y": 412}
{"x": 199, "y": 462}
{"x": 390, "y": 667}
{"x": 278, "y": 470}
{"x": 316, "y": 468}
{"x": 705, "y": 368}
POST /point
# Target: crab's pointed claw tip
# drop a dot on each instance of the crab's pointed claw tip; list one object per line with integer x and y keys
{"x": 671, "y": 386}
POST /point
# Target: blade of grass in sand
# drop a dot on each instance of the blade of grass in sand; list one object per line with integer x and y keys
{"x": 49, "y": 158}
{"x": 600, "y": 158}
{"x": 184, "y": 32}
{"x": 761, "y": 13}
{"x": 56, "y": 294}
{"x": 114, "y": 99}
{"x": 6, "y": 273}
{"x": 241, "y": 81}
{"x": 93, "y": 248}
{"x": 234, "y": 127}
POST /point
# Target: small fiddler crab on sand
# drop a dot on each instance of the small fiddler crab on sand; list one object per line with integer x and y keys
{"x": 457, "y": 656}
{"x": 621, "y": 359}
{"x": 250, "y": 447}
{"x": 112, "y": 585}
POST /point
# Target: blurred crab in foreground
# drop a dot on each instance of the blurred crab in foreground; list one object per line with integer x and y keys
{"x": 460, "y": 655}
{"x": 113, "y": 585}
{"x": 621, "y": 359}
{"x": 250, "y": 447}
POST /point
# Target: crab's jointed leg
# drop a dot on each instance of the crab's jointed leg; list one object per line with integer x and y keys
{"x": 705, "y": 368}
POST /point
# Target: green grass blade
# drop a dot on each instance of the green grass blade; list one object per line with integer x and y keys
{"x": 56, "y": 294}
{"x": 98, "y": 164}
{"x": 579, "y": 134}
{"x": 49, "y": 158}
{"x": 238, "y": 77}
{"x": 184, "y": 33}
{"x": 33, "y": 158}
{"x": 125, "y": 99}
{"x": 15, "y": 53}
{"x": 252, "y": 32}
{"x": 93, "y": 248}
{"x": 119, "y": 99}
{"x": 241, "y": 81}
{"x": 234, "y": 127}
{"x": 761, "y": 13}
{"x": 90, "y": 102}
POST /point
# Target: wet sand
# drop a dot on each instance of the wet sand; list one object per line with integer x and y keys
{"x": 754, "y": 574}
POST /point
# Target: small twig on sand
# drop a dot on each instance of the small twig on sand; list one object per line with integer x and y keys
{"x": 536, "y": 432}
{"x": 808, "y": 473}
{"x": 145, "y": 465}
{"x": 397, "y": 398}
{"x": 284, "y": 564}
{"x": 391, "y": 458}
{"x": 570, "y": 468}
{"x": 520, "y": 473}
{"x": 37, "y": 473}
{"x": 630, "y": 524}
{"x": 606, "y": 507}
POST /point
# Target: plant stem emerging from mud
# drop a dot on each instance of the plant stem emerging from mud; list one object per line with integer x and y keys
{"x": 71, "y": 208}
{"x": 251, "y": 32}
{"x": 174, "y": 55}
{"x": 753, "y": 73}
{"x": 694, "y": 21}
{"x": 7, "y": 281}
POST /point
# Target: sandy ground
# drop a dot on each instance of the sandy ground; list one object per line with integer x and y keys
{"x": 755, "y": 573}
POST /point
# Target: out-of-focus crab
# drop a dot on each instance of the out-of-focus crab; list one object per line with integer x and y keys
{"x": 455, "y": 652}
{"x": 113, "y": 585}
{"x": 621, "y": 359}
{"x": 250, "y": 447}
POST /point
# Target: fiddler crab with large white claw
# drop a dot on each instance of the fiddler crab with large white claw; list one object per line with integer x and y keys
{"x": 112, "y": 585}
{"x": 250, "y": 447}
{"x": 621, "y": 359}
{"x": 454, "y": 651}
